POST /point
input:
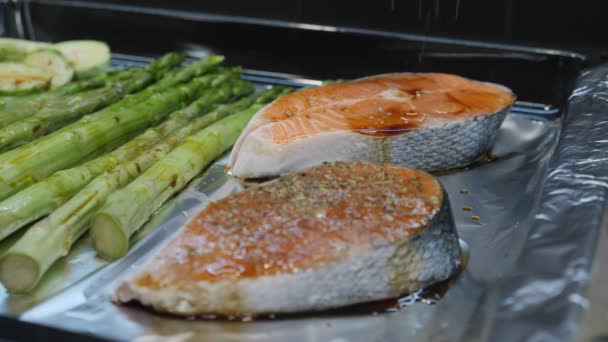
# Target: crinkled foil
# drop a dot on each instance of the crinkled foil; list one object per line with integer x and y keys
{"x": 544, "y": 296}
{"x": 529, "y": 218}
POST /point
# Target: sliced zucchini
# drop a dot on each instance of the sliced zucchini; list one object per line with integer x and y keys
{"x": 12, "y": 49}
{"x": 53, "y": 62}
{"x": 20, "y": 79}
{"x": 85, "y": 55}
{"x": 8, "y": 54}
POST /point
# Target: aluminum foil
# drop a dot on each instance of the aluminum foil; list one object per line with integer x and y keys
{"x": 529, "y": 219}
{"x": 545, "y": 295}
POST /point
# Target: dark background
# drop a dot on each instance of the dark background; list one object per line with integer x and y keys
{"x": 279, "y": 43}
{"x": 572, "y": 25}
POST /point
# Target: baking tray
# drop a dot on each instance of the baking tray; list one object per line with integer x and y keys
{"x": 503, "y": 193}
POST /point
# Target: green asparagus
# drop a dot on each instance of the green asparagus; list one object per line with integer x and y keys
{"x": 89, "y": 136}
{"x": 41, "y": 198}
{"x": 129, "y": 208}
{"x": 64, "y": 226}
{"x": 17, "y": 108}
{"x": 195, "y": 69}
{"x": 69, "y": 108}
{"x": 13, "y": 108}
{"x": 50, "y": 118}
{"x": 99, "y": 80}
{"x": 85, "y": 138}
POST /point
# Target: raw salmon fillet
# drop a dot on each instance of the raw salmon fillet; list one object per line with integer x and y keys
{"x": 427, "y": 121}
{"x": 337, "y": 234}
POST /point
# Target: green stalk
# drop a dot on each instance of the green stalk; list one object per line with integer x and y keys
{"x": 126, "y": 210}
{"x": 185, "y": 74}
{"x": 95, "y": 133}
{"x": 69, "y": 108}
{"x": 15, "y": 109}
{"x": 30, "y": 163}
{"x": 64, "y": 226}
{"x": 101, "y": 79}
{"x": 97, "y": 81}
{"x": 24, "y": 123}
{"x": 50, "y": 118}
{"x": 41, "y": 198}
{"x": 169, "y": 81}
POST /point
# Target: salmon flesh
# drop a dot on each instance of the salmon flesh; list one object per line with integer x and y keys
{"x": 333, "y": 235}
{"x": 428, "y": 121}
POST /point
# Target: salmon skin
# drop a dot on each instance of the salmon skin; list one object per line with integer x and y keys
{"x": 334, "y": 235}
{"x": 427, "y": 121}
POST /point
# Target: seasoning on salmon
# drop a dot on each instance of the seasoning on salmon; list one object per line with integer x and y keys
{"x": 333, "y": 235}
{"x": 428, "y": 121}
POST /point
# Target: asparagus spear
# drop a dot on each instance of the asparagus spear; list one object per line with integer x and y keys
{"x": 53, "y": 117}
{"x": 7, "y": 102}
{"x": 129, "y": 208}
{"x": 67, "y": 137}
{"x": 99, "y": 80}
{"x": 67, "y": 109}
{"x": 166, "y": 83}
{"x": 195, "y": 69}
{"x": 95, "y": 81}
{"x": 41, "y": 198}
{"x": 169, "y": 81}
{"x": 64, "y": 226}
{"x": 17, "y": 108}
{"x": 89, "y": 136}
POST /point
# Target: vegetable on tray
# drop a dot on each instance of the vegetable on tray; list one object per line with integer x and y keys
{"x": 43, "y": 197}
{"x": 15, "y": 108}
{"x": 53, "y": 62}
{"x": 30, "y": 67}
{"x": 20, "y": 79}
{"x": 128, "y": 209}
{"x": 58, "y": 112}
{"x": 85, "y": 55}
{"x": 103, "y": 130}
{"x": 15, "y": 50}
{"x": 71, "y": 154}
{"x": 22, "y": 266}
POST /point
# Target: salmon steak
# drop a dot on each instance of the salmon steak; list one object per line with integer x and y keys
{"x": 333, "y": 235}
{"x": 428, "y": 121}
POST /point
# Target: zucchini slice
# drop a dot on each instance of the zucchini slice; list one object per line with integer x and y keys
{"x": 20, "y": 79}
{"x": 85, "y": 55}
{"x": 12, "y": 49}
{"x": 53, "y": 62}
